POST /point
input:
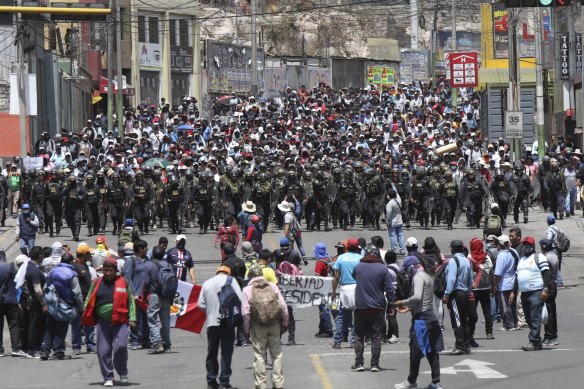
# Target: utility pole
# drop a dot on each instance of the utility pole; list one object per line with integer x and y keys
{"x": 414, "y": 24}
{"x": 119, "y": 96}
{"x": 21, "y": 88}
{"x": 434, "y": 44}
{"x": 514, "y": 92}
{"x": 454, "y": 91}
{"x": 254, "y": 50}
{"x": 110, "y": 73}
{"x": 539, "y": 117}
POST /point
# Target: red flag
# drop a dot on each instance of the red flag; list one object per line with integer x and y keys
{"x": 184, "y": 312}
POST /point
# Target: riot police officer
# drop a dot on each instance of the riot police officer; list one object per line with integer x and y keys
{"x": 347, "y": 196}
{"x": 142, "y": 195}
{"x": 117, "y": 201}
{"x": 555, "y": 186}
{"x": 102, "y": 190}
{"x": 54, "y": 204}
{"x": 420, "y": 197}
{"x": 524, "y": 190}
{"x": 91, "y": 205}
{"x": 38, "y": 199}
{"x": 262, "y": 197}
{"x": 501, "y": 194}
{"x": 74, "y": 203}
{"x": 374, "y": 193}
{"x": 475, "y": 194}
{"x": 204, "y": 195}
{"x": 322, "y": 202}
{"x": 437, "y": 203}
{"x": 449, "y": 194}
{"x": 174, "y": 196}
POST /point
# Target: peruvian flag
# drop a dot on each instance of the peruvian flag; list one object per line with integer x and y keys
{"x": 184, "y": 311}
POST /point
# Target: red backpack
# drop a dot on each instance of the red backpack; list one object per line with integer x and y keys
{"x": 227, "y": 234}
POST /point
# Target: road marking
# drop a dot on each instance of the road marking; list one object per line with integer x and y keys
{"x": 320, "y": 370}
{"x": 480, "y": 369}
{"x": 446, "y": 354}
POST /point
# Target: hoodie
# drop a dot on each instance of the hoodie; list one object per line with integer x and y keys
{"x": 54, "y": 260}
{"x": 374, "y": 285}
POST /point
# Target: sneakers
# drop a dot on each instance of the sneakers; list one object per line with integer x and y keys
{"x": 77, "y": 351}
{"x": 108, "y": 383}
{"x": 394, "y": 339}
{"x": 124, "y": 379}
{"x": 490, "y": 337}
{"x": 550, "y": 342}
{"x": 434, "y": 386}
{"x": 291, "y": 342}
{"x": 375, "y": 368}
{"x": 457, "y": 351}
{"x": 34, "y": 355}
{"x": 337, "y": 346}
{"x": 158, "y": 349}
{"x": 357, "y": 368}
{"x": 405, "y": 385}
{"x": 531, "y": 347}
{"x": 473, "y": 343}
{"x": 324, "y": 335}
{"x": 18, "y": 353}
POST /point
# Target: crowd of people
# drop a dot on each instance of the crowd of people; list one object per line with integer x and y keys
{"x": 317, "y": 159}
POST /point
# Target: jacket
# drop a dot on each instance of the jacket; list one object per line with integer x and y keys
{"x": 123, "y": 305}
{"x": 27, "y": 230}
{"x": 374, "y": 285}
{"x": 62, "y": 276}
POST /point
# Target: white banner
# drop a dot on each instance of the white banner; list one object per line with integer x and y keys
{"x": 32, "y": 163}
{"x": 305, "y": 291}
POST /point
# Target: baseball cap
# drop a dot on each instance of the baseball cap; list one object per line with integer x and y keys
{"x": 529, "y": 240}
{"x": 223, "y": 269}
{"x": 410, "y": 260}
{"x": 110, "y": 261}
{"x": 551, "y": 219}
{"x": 504, "y": 239}
{"x": 492, "y": 238}
{"x": 100, "y": 239}
{"x": 83, "y": 248}
{"x": 129, "y": 246}
{"x": 180, "y": 237}
{"x": 494, "y": 205}
{"x": 352, "y": 243}
{"x": 25, "y": 206}
{"x": 546, "y": 244}
{"x": 411, "y": 242}
{"x": 284, "y": 241}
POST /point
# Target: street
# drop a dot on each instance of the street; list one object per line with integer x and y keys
{"x": 312, "y": 363}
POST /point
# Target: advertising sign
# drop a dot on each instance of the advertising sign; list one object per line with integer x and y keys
{"x": 150, "y": 56}
{"x": 181, "y": 59}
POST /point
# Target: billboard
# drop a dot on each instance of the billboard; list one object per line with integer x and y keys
{"x": 414, "y": 66}
{"x": 381, "y": 75}
{"x": 181, "y": 59}
{"x": 150, "y": 56}
{"x": 229, "y": 68}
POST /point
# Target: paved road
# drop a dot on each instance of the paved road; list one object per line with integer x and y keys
{"x": 312, "y": 363}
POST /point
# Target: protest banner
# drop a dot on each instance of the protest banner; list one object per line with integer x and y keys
{"x": 305, "y": 291}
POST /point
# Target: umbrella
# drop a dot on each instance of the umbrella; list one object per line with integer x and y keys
{"x": 185, "y": 127}
{"x": 156, "y": 162}
{"x": 224, "y": 99}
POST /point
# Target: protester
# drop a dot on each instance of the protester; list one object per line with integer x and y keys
{"x": 392, "y": 324}
{"x": 181, "y": 259}
{"x": 552, "y": 234}
{"x": 159, "y": 305}
{"x": 27, "y": 225}
{"x": 373, "y": 292}
{"x": 110, "y": 308}
{"x": 219, "y": 333}
{"x": 393, "y": 217}
{"x": 505, "y": 280}
{"x": 551, "y": 328}
{"x": 483, "y": 286}
{"x": 86, "y": 275}
{"x": 37, "y": 308}
{"x": 227, "y": 233}
{"x": 323, "y": 268}
{"x": 425, "y": 333}
{"x": 9, "y": 306}
{"x": 265, "y": 319}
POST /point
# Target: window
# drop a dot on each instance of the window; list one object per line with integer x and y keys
{"x": 153, "y": 30}
{"x": 172, "y": 24}
{"x": 184, "y": 32}
{"x": 141, "y": 29}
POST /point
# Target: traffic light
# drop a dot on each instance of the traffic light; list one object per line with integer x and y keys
{"x": 537, "y": 3}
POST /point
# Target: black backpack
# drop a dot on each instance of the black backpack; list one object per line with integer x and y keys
{"x": 440, "y": 279}
{"x": 229, "y": 305}
{"x": 403, "y": 284}
{"x": 429, "y": 261}
{"x": 168, "y": 281}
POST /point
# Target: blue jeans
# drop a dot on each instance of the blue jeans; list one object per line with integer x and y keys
{"x": 343, "y": 322}
{"x": 159, "y": 309}
{"x": 324, "y": 324}
{"x": 532, "y": 306}
{"x": 76, "y": 339}
{"x": 396, "y": 235}
{"x": 571, "y": 200}
{"x": 26, "y": 245}
{"x": 298, "y": 241}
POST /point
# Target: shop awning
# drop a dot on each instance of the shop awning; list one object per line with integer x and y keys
{"x": 127, "y": 89}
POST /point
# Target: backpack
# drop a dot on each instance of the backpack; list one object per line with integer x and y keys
{"x": 264, "y": 303}
{"x": 329, "y": 265}
{"x": 562, "y": 240}
{"x": 227, "y": 235}
{"x": 289, "y": 269}
{"x": 125, "y": 237}
{"x": 295, "y": 230}
{"x": 493, "y": 225}
{"x": 403, "y": 284}
{"x": 229, "y": 305}
{"x": 429, "y": 261}
{"x": 440, "y": 279}
{"x": 58, "y": 308}
{"x": 168, "y": 282}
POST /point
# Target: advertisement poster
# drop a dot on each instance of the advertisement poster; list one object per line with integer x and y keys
{"x": 380, "y": 75}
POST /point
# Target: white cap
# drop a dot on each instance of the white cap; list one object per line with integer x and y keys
{"x": 411, "y": 242}
{"x": 504, "y": 239}
{"x": 494, "y": 205}
{"x": 179, "y": 237}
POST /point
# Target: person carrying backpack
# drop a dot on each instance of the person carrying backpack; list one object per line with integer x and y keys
{"x": 554, "y": 233}
{"x": 220, "y": 332}
{"x": 227, "y": 233}
{"x": 255, "y": 231}
{"x": 265, "y": 318}
{"x": 323, "y": 268}
{"x": 493, "y": 223}
{"x": 163, "y": 290}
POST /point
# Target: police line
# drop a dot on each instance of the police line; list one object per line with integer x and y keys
{"x": 305, "y": 291}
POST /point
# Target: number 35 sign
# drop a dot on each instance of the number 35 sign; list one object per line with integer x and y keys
{"x": 513, "y": 125}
